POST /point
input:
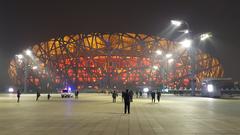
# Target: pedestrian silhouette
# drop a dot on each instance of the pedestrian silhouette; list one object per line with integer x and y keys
{"x": 76, "y": 94}
{"x": 48, "y": 96}
{"x": 38, "y": 95}
{"x": 158, "y": 95}
{"x": 127, "y": 102}
{"x": 114, "y": 96}
{"x": 137, "y": 93}
{"x": 140, "y": 93}
{"x": 18, "y": 95}
{"x": 148, "y": 94}
{"x": 153, "y": 96}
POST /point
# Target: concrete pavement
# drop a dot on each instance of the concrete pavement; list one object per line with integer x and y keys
{"x": 95, "y": 114}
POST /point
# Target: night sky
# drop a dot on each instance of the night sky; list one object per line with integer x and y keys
{"x": 24, "y": 23}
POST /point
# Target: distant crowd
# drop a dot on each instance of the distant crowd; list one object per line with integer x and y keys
{"x": 127, "y": 96}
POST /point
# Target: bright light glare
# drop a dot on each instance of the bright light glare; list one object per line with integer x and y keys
{"x": 165, "y": 90}
{"x": 69, "y": 89}
{"x": 19, "y": 56}
{"x": 159, "y": 52}
{"x": 210, "y": 88}
{"x": 186, "y": 43}
{"x": 145, "y": 89}
{"x": 170, "y": 61}
{"x": 176, "y": 22}
{"x": 155, "y": 67}
{"x": 186, "y": 31}
{"x": 28, "y": 52}
{"x": 168, "y": 55}
{"x": 34, "y": 67}
{"x": 11, "y": 90}
{"x": 205, "y": 36}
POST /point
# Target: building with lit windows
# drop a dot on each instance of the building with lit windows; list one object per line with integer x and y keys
{"x": 110, "y": 60}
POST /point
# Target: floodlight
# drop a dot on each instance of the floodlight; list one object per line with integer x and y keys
{"x": 176, "y": 22}
{"x": 159, "y": 52}
{"x": 186, "y": 43}
{"x": 28, "y": 52}
{"x": 168, "y": 55}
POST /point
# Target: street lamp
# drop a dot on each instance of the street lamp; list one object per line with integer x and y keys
{"x": 176, "y": 23}
{"x": 205, "y": 36}
{"x": 186, "y": 31}
{"x": 186, "y": 43}
{"x": 23, "y": 59}
{"x": 168, "y": 55}
{"x": 28, "y": 52}
{"x": 19, "y": 56}
{"x": 159, "y": 52}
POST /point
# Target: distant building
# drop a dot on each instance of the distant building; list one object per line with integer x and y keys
{"x": 111, "y": 60}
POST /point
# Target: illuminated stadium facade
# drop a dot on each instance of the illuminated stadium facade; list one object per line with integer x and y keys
{"x": 110, "y": 60}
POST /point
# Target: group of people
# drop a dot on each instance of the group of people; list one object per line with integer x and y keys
{"x": 127, "y": 97}
{"x": 37, "y": 96}
{"x": 153, "y": 95}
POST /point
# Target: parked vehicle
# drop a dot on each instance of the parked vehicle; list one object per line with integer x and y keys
{"x": 65, "y": 93}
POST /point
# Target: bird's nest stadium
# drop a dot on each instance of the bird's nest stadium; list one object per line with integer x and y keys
{"x": 111, "y": 60}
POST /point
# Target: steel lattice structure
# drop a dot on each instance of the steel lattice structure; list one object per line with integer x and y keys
{"x": 110, "y": 60}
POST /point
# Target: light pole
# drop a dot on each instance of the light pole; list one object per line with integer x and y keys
{"x": 22, "y": 59}
{"x": 187, "y": 43}
{"x": 165, "y": 61}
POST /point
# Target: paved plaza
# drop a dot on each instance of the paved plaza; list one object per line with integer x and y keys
{"x": 95, "y": 114}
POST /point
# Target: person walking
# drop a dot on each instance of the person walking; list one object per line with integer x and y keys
{"x": 114, "y": 96}
{"x": 140, "y": 93}
{"x": 76, "y": 94}
{"x": 148, "y": 94}
{"x": 137, "y": 93}
{"x": 127, "y": 102}
{"x": 18, "y": 95}
{"x": 38, "y": 95}
{"x": 153, "y": 96}
{"x": 48, "y": 96}
{"x": 158, "y": 95}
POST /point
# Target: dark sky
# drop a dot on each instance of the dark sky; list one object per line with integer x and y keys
{"x": 23, "y": 23}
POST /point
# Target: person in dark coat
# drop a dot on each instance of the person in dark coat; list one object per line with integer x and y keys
{"x": 137, "y": 92}
{"x": 48, "y": 96}
{"x": 76, "y": 94}
{"x": 38, "y": 95}
{"x": 127, "y": 102}
{"x": 140, "y": 93}
{"x": 114, "y": 96}
{"x": 153, "y": 96}
{"x": 18, "y": 95}
{"x": 148, "y": 94}
{"x": 158, "y": 95}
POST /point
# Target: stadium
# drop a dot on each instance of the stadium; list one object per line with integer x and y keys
{"x": 110, "y": 60}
